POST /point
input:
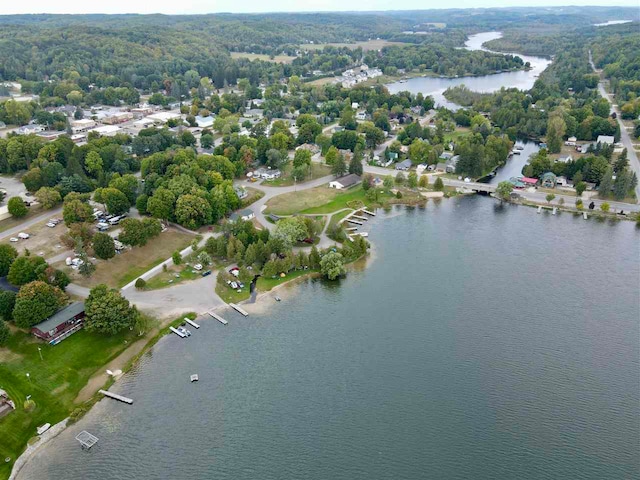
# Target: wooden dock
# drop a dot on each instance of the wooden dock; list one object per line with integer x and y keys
{"x": 555, "y": 209}
{"x": 359, "y": 217}
{"x": 351, "y": 229}
{"x": 191, "y": 322}
{"x": 218, "y": 317}
{"x": 354, "y": 221}
{"x": 368, "y": 212}
{"x": 115, "y": 396}
{"x": 238, "y": 309}
{"x": 177, "y": 332}
{"x": 584, "y": 215}
{"x": 359, "y": 234}
{"x": 539, "y": 209}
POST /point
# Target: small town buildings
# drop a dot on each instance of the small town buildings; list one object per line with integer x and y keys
{"x": 204, "y": 122}
{"x": 82, "y": 125}
{"x": 116, "y": 117}
{"x": 571, "y": 141}
{"x": 241, "y": 192}
{"x": 143, "y": 123}
{"x": 160, "y": 118}
{"x": 452, "y": 163}
{"x": 605, "y": 139}
{"x": 446, "y": 155}
{"x": 441, "y": 167}
{"x": 517, "y": 182}
{"x": 361, "y": 115}
{"x": 311, "y": 147}
{"x": 61, "y": 325}
{"x": 245, "y": 215}
{"x": 528, "y": 181}
{"x": 106, "y": 130}
{"x": 141, "y": 111}
{"x": 29, "y": 129}
{"x": 404, "y": 165}
{"x": 563, "y": 182}
{"x": 254, "y": 113}
{"x": 548, "y": 180}
{"x": 345, "y": 182}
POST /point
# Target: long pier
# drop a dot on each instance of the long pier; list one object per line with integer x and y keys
{"x": 354, "y": 221}
{"x": 218, "y": 317}
{"x": 238, "y": 309}
{"x": 359, "y": 217}
{"x": 115, "y": 396}
{"x": 191, "y": 322}
{"x": 368, "y": 212}
{"x": 177, "y": 332}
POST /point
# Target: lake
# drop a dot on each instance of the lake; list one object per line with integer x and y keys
{"x": 480, "y": 342}
{"x": 435, "y": 86}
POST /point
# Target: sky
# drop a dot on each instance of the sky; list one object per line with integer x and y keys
{"x": 246, "y": 6}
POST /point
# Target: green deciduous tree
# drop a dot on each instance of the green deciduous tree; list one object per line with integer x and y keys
{"x": 103, "y": 246}
{"x": 35, "y": 302}
{"x": 16, "y": 207}
{"x": 108, "y": 311}
{"x": 7, "y": 255}
{"x": 332, "y": 265}
{"x": 503, "y": 190}
{"x": 7, "y": 302}
{"x": 76, "y": 211}
{"x": 26, "y": 269}
{"x": 48, "y": 197}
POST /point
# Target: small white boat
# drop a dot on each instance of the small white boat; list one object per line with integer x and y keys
{"x": 184, "y": 331}
{"x": 194, "y": 377}
{"x": 277, "y": 298}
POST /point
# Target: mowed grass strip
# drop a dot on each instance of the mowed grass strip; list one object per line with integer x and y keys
{"x": 296, "y": 202}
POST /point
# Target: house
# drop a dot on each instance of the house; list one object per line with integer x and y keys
{"x": 254, "y": 113}
{"x": 361, "y": 116}
{"x": 441, "y": 167}
{"x": 404, "y": 165}
{"x": 548, "y": 180}
{"x": 345, "y": 182}
{"x": 143, "y": 123}
{"x": 204, "y": 122}
{"x": 605, "y": 139}
{"x": 446, "y": 155}
{"x": 61, "y": 324}
{"x": 452, "y": 163}
{"x": 107, "y": 130}
{"x": 241, "y": 192}
{"x": 564, "y": 159}
{"x": 563, "y": 182}
{"x": 245, "y": 215}
{"x": 311, "y": 147}
{"x": 528, "y": 181}
{"x": 29, "y": 129}
{"x": 517, "y": 182}
{"x": 571, "y": 141}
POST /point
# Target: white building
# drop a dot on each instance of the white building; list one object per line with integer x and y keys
{"x": 605, "y": 139}
{"x": 107, "y": 130}
{"x": 163, "y": 117}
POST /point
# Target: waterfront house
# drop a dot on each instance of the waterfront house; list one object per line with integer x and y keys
{"x": 548, "y": 180}
{"x": 404, "y": 165}
{"x": 245, "y": 215}
{"x": 345, "y": 182}
{"x": 528, "y": 181}
{"x": 61, "y": 325}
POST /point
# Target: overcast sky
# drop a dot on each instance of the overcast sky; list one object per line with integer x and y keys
{"x": 212, "y": 6}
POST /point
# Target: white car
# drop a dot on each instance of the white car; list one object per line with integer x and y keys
{"x": 467, "y": 180}
{"x": 197, "y": 266}
{"x": 23, "y": 235}
{"x": 51, "y": 225}
{"x": 13, "y": 239}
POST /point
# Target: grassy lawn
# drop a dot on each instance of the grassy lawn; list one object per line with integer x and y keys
{"x": 340, "y": 201}
{"x": 336, "y": 217}
{"x": 266, "y": 284}
{"x": 253, "y": 195}
{"x": 169, "y": 278}
{"x": 317, "y": 171}
{"x": 265, "y": 58}
{"x": 229, "y": 295}
{"x": 53, "y": 384}
{"x": 129, "y": 265}
{"x": 11, "y": 222}
{"x": 294, "y": 202}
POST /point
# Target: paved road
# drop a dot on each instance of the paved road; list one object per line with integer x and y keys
{"x": 12, "y": 232}
{"x": 634, "y": 163}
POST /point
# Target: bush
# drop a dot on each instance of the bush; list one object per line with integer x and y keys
{"x": 141, "y": 283}
{"x": 104, "y": 246}
{"x": 177, "y": 258}
{"x": 438, "y": 185}
{"x": 17, "y": 207}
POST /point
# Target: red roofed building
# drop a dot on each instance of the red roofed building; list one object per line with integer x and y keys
{"x": 529, "y": 181}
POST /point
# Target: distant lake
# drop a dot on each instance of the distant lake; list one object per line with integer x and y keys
{"x": 481, "y": 342}
{"x": 435, "y": 86}
{"x": 612, "y": 22}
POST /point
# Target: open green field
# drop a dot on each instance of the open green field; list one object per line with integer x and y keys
{"x": 53, "y": 383}
{"x": 128, "y": 266}
{"x": 366, "y": 46}
{"x": 265, "y": 58}
{"x": 296, "y": 202}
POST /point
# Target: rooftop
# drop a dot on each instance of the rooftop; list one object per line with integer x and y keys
{"x": 60, "y": 317}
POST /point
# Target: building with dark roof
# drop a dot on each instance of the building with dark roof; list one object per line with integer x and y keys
{"x": 61, "y": 324}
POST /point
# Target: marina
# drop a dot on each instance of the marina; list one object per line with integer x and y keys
{"x": 191, "y": 322}
{"x": 178, "y": 332}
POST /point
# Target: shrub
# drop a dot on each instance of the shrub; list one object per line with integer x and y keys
{"x": 141, "y": 283}
{"x": 104, "y": 246}
{"x": 17, "y": 207}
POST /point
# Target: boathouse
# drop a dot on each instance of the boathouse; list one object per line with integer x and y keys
{"x": 61, "y": 325}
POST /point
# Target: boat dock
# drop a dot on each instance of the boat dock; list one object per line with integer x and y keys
{"x": 115, "y": 396}
{"x": 359, "y": 234}
{"x": 354, "y": 221}
{"x": 177, "y": 332}
{"x": 191, "y": 322}
{"x": 351, "y": 229}
{"x": 539, "y": 209}
{"x": 584, "y": 215}
{"x": 218, "y": 317}
{"x": 359, "y": 217}
{"x": 238, "y": 309}
{"x": 555, "y": 209}
{"x": 368, "y": 212}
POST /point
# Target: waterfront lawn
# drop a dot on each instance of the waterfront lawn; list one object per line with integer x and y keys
{"x": 169, "y": 279}
{"x": 340, "y": 201}
{"x": 126, "y": 267}
{"x": 53, "y": 384}
{"x": 229, "y": 295}
{"x": 266, "y": 284}
{"x": 295, "y": 202}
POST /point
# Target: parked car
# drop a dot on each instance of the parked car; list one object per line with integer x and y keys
{"x": 13, "y": 239}
{"x": 207, "y": 273}
{"x": 234, "y": 285}
{"x": 51, "y": 225}
{"x": 235, "y": 271}
{"x": 198, "y": 266}
{"x": 23, "y": 235}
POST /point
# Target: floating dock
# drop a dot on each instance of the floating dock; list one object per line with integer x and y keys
{"x": 555, "y": 209}
{"x": 238, "y": 309}
{"x": 359, "y": 234}
{"x": 115, "y": 396}
{"x": 218, "y": 317}
{"x": 368, "y": 212}
{"x": 194, "y": 377}
{"x": 177, "y": 332}
{"x": 191, "y": 322}
{"x": 86, "y": 439}
{"x": 584, "y": 215}
{"x": 539, "y": 209}
{"x": 359, "y": 217}
{"x": 351, "y": 229}
{"x": 354, "y": 221}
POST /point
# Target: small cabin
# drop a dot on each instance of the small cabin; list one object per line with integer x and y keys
{"x": 61, "y": 325}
